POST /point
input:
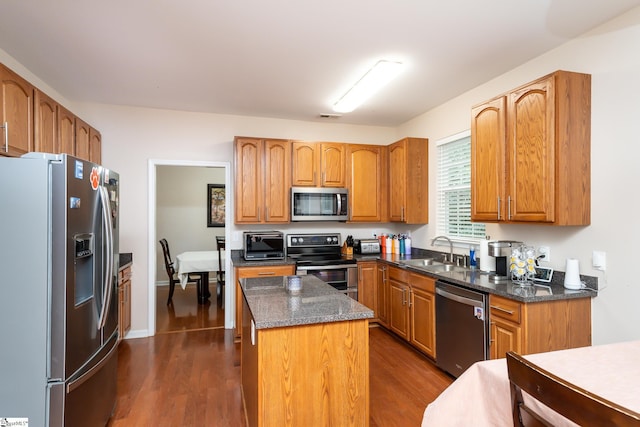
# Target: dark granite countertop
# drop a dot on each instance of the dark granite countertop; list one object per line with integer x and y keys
{"x": 273, "y": 306}
{"x": 472, "y": 279}
{"x": 479, "y": 280}
{"x": 125, "y": 260}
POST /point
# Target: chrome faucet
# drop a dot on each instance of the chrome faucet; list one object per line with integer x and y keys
{"x": 450, "y": 246}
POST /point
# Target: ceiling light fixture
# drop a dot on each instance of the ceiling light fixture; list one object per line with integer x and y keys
{"x": 379, "y": 75}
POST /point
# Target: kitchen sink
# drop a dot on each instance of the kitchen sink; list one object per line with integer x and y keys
{"x": 439, "y": 268}
{"x": 420, "y": 262}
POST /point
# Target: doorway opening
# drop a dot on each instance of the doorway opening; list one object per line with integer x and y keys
{"x": 178, "y": 212}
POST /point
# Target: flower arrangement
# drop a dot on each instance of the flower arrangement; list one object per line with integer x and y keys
{"x": 523, "y": 264}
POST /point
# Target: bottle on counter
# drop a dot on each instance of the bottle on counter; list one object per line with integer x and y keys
{"x": 407, "y": 245}
{"x": 401, "y": 244}
{"x": 472, "y": 256}
{"x": 396, "y": 245}
{"x": 389, "y": 245}
{"x": 383, "y": 243}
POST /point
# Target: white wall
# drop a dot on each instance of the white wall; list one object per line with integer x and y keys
{"x": 181, "y": 211}
{"x": 610, "y": 55}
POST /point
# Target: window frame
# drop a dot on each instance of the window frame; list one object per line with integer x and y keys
{"x": 478, "y": 229}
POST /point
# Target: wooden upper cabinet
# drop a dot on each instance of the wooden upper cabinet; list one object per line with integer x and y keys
{"x": 409, "y": 181}
{"x": 367, "y": 182}
{"x": 530, "y": 155}
{"x": 332, "y": 159}
{"x": 16, "y": 113}
{"x": 488, "y": 160}
{"x": 46, "y": 124}
{"x": 82, "y": 139}
{"x": 306, "y": 162}
{"x": 263, "y": 171}
{"x": 66, "y": 131}
{"x": 95, "y": 146}
{"x": 318, "y": 164}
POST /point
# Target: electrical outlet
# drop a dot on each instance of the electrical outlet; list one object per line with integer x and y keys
{"x": 546, "y": 251}
{"x": 600, "y": 260}
{"x": 236, "y": 236}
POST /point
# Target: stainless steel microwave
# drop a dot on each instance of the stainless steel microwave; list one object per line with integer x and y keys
{"x": 319, "y": 204}
{"x": 263, "y": 245}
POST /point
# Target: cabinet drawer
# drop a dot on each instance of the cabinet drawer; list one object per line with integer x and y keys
{"x": 399, "y": 274}
{"x": 425, "y": 283}
{"x": 505, "y": 308}
{"x": 275, "y": 270}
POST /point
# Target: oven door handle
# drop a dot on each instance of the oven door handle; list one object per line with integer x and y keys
{"x": 324, "y": 267}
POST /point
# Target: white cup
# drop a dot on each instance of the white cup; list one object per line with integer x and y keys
{"x": 572, "y": 274}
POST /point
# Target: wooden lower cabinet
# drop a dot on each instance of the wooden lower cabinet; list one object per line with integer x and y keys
{"x": 538, "y": 327}
{"x": 412, "y": 309}
{"x": 423, "y": 314}
{"x": 124, "y": 301}
{"x": 382, "y": 291}
{"x": 245, "y": 272}
{"x": 367, "y": 290}
{"x": 305, "y": 375}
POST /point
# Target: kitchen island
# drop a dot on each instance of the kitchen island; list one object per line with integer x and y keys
{"x": 305, "y": 355}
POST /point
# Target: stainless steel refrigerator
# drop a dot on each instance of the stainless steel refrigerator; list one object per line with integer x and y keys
{"x": 58, "y": 278}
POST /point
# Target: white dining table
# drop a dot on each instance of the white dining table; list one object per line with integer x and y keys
{"x": 481, "y": 395}
{"x": 200, "y": 262}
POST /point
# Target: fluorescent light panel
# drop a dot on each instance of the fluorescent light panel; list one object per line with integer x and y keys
{"x": 379, "y": 75}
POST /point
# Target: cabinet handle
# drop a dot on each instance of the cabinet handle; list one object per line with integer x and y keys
{"x": 6, "y": 136}
{"x": 499, "y": 201}
{"x": 404, "y": 300}
{"x": 504, "y": 310}
{"x": 509, "y": 207}
{"x": 267, "y": 273}
{"x": 402, "y": 213}
{"x": 266, "y": 214}
{"x": 409, "y": 299}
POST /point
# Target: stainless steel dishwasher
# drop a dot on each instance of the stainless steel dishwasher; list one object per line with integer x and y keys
{"x": 462, "y": 327}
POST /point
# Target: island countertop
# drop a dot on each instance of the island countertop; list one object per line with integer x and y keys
{"x": 273, "y": 306}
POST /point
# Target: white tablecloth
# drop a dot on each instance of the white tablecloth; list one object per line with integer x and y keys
{"x": 481, "y": 396}
{"x": 196, "y": 262}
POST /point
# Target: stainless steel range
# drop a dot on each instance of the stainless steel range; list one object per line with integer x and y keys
{"x": 319, "y": 255}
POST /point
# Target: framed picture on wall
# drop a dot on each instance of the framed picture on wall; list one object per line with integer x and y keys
{"x": 216, "y": 202}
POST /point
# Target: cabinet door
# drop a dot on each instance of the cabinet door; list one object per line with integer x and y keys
{"x": 332, "y": 159}
{"x": 66, "y": 131}
{"x": 505, "y": 337}
{"x": 530, "y": 153}
{"x": 95, "y": 146}
{"x": 367, "y": 291}
{"x": 305, "y": 164}
{"x": 397, "y": 181}
{"x": 277, "y": 173}
{"x": 399, "y": 308}
{"x": 248, "y": 180}
{"x": 82, "y": 140}
{"x": 488, "y": 134}
{"x": 16, "y": 113}
{"x": 46, "y": 124}
{"x": 382, "y": 290}
{"x": 366, "y": 183}
{"x": 423, "y": 321}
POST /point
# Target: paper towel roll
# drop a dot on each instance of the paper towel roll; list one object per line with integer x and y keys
{"x": 487, "y": 263}
{"x": 572, "y": 274}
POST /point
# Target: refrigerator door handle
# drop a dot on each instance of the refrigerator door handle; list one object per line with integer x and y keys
{"x": 108, "y": 282}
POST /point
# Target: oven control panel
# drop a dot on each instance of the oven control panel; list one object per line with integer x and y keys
{"x": 313, "y": 240}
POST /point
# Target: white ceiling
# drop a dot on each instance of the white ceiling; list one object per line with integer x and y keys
{"x": 284, "y": 58}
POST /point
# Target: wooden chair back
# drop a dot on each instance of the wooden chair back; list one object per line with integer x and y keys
{"x": 221, "y": 245}
{"x": 565, "y": 398}
{"x": 168, "y": 262}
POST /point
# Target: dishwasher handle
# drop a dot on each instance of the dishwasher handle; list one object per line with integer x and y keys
{"x": 459, "y": 298}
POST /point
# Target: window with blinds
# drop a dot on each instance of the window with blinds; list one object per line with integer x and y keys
{"x": 454, "y": 190}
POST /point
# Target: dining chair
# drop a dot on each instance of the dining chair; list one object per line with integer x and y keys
{"x": 220, "y": 278}
{"x": 565, "y": 398}
{"x": 171, "y": 271}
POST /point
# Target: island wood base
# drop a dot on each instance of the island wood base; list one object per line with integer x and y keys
{"x": 309, "y": 375}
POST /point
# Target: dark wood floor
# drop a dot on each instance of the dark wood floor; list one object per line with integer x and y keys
{"x": 192, "y": 378}
{"x": 185, "y": 314}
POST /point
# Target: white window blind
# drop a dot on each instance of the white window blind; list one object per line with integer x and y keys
{"x": 454, "y": 190}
